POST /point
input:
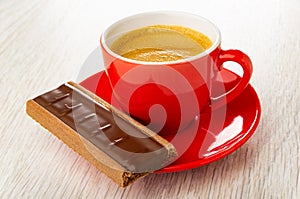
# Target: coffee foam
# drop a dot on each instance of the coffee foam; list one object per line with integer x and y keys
{"x": 159, "y": 43}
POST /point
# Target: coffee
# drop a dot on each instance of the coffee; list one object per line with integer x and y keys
{"x": 161, "y": 43}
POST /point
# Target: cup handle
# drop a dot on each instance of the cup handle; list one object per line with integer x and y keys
{"x": 244, "y": 61}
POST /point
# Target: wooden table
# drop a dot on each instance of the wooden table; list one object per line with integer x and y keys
{"x": 45, "y": 43}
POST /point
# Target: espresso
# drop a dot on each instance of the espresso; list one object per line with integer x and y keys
{"x": 161, "y": 43}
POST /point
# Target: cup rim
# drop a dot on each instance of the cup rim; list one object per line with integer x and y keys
{"x": 215, "y": 44}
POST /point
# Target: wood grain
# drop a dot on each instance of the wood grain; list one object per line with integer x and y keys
{"x": 44, "y": 43}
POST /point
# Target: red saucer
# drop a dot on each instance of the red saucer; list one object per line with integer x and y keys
{"x": 220, "y": 132}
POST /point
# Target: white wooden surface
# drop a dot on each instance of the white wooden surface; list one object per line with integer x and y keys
{"x": 44, "y": 43}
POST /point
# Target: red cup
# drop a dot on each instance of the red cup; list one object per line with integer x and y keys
{"x": 168, "y": 96}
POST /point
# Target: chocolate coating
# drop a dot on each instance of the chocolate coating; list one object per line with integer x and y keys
{"x": 122, "y": 141}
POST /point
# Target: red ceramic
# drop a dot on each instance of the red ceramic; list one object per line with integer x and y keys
{"x": 219, "y": 131}
{"x": 181, "y": 87}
